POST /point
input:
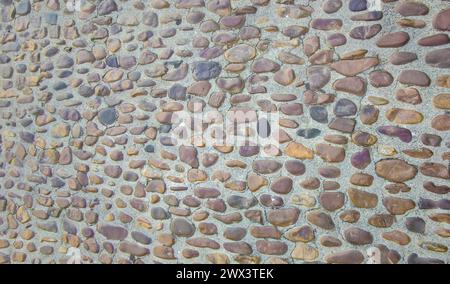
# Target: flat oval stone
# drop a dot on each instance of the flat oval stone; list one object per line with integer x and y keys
{"x": 294, "y": 31}
{"x": 362, "y": 199}
{"x": 321, "y": 57}
{"x": 442, "y": 101}
{"x": 133, "y": 249}
{"x": 113, "y": 232}
{"x": 299, "y": 151}
{"x": 241, "y": 248}
{"x": 345, "y": 107}
{"x": 318, "y": 77}
{"x": 113, "y": 171}
{"x": 381, "y": 220}
{"x": 336, "y": 39}
{"x": 435, "y": 170}
{"x": 368, "y": 16}
{"x": 350, "y": 256}
{"x": 181, "y": 227}
{"x": 311, "y": 45}
{"x": 407, "y": 9}
{"x": 415, "y": 259}
{"x": 350, "y": 216}
{"x": 431, "y": 140}
{"x": 177, "y": 92}
{"x": 295, "y": 167}
{"x": 398, "y": 206}
{"x": 330, "y": 241}
{"x": 357, "y": 5}
{"x": 271, "y": 247}
{"x": 265, "y": 65}
{"x": 332, "y": 201}
{"x": 380, "y": 79}
{"x": 421, "y": 153}
{"x": 231, "y": 85}
{"x": 365, "y": 32}
{"x": 300, "y": 234}
{"x": 396, "y": 39}
{"x": 395, "y": 170}
{"x": 107, "y": 116}
{"x": 331, "y": 6}
{"x": 357, "y": 236}
{"x": 266, "y": 166}
{"x": 308, "y": 133}
{"x": 326, "y": 24}
{"x": 403, "y": 134}
{"x": 271, "y": 201}
{"x": 188, "y": 155}
{"x": 354, "y": 67}
{"x": 330, "y": 171}
{"x": 282, "y": 185}
{"x": 397, "y": 236}
{"x": 442, "y": 20}
{"x": 414, "y": 77}
{"x": 263, "y": 128}
{"x": 361, "y": 179}
{"x": 283, "y": 217}
{"x": 434, "y": 40}
{"x": 319, "y": 114}
{"x": 292, "y": 109}
{"x": 369, "y": 114}
{"x": 346, "y": 125}
{"x": 240, "y": 202}
{"x": 402, "y": 57}
{"x": 404, "y": 116}
{"x": 415, "y": 225}
{"x": 441, "y": 122}
{"x": 361, "y": 159}
{"x": 304, "y": 252}
{"x": 439, "y": 58}
{"x": 290, "y": 58}
{"x": 284, "y": 76}
{"x": 240, "y": 53}
{"x": 233, "y": 21}
{"x": 409, "y": 95}
{"x": 320, "y": 219}
{"x": 351, "y": 85}
{"x": 206, "y": 70}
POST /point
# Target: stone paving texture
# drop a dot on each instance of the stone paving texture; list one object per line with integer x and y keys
{"x": 89, "y": 89}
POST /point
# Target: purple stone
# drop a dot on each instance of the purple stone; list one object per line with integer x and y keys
{"x": 426, "y": 203}
{"x": 211, "y": 52}
{"x": 357, "y": 5}
{"x": 27, "y": 136}
{"x": 271, "y": 200}
{"x": 368, "y": 16}
{"x": 337, "y": 39}
{"x": 394, "y": 131}
{"x": 69, "y": 114}
{"x": 247, "y": 151}
{"x": 345, "y": 107}
{"x": 361, "y": 159}
{"x": 326, "y": 24}
{"x": 206, "y": 70}
{"x": 443, "y": 204}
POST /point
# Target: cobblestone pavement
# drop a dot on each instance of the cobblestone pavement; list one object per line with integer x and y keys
{"x": 117, "y": 121}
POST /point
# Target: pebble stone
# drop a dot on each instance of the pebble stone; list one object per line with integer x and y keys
{"x": 101, "y": 152}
